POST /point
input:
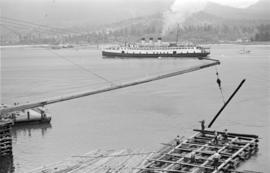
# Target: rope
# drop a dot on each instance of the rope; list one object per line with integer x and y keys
{"x": 82, "y": 68}
{"x": 119, "y": 155}
{"x": 219, "y": 85}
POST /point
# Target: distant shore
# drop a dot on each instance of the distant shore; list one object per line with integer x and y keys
{"x": 106, "y": 44}
{"x": 47, "y": 46}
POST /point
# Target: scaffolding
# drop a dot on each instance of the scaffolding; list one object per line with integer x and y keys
{"x": 196, "y": 154}
{"x": 5, "y": 138}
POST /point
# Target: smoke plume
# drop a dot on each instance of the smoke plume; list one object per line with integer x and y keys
{"x": 179, "y": 12}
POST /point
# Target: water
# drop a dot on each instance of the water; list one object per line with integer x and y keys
{"x": 138, "y": 117}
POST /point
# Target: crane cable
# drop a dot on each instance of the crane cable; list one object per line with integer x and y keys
{"x": 219, "y": 85}
{"x": 82, "y": 68}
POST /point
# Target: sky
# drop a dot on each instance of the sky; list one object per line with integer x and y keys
{"x": 180, "y": 10}
{"x": 80, "y": 12}
{"x": 235, "y": 3}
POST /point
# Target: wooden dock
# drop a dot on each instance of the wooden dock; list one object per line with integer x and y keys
{"x": 170, "y": 158}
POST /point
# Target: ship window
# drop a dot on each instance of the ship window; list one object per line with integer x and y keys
{"x": 123, "y": 51}
{"x": 174, "y": 52}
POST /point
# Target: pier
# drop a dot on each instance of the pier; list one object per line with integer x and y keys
{"x": 5, "y": 138}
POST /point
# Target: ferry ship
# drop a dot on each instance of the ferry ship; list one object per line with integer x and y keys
{"x": 156, "y": 49}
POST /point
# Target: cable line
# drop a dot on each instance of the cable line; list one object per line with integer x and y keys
{"x": 219, "y": 85}
{"x": 32, "y": 24}
{"x": 118, "y": 155}
{"x": 82, "y": 68}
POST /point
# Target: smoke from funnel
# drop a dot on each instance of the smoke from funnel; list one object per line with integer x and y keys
{"x": 179, "y": 12}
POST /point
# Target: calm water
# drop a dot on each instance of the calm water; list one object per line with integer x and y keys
{"x": 138, "y": 117}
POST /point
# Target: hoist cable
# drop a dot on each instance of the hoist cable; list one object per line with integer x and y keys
{"x": 82, "y": 68}
{"x": 219, "y": 85}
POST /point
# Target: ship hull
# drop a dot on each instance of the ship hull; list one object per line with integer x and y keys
{"x": 145, "y": 55}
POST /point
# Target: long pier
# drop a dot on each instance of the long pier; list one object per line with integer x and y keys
{"x": 106, "y": 89}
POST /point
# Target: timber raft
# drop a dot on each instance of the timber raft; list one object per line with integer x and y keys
{"x": 233, "y": 151}
{"x": 172, "y": 157}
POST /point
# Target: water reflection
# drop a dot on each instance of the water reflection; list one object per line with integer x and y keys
{"x": 6, "y": 164}
{"x": 28, "y": 129}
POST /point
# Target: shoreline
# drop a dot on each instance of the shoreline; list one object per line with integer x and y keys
{"x": 104, "y": 44}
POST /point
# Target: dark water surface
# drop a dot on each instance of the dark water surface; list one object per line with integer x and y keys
{"x": 137, "y": 117}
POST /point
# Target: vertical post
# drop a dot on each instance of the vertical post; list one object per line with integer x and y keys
{"x": 28, "y": 115}
{"x": 5, "y": 138}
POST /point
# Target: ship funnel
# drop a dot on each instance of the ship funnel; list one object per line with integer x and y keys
{"x": 143, "y": 40}
{"x": 159, "y": 40}
{"x": 150, "y": 40}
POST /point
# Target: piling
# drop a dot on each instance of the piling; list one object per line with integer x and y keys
{"x": 5, "y": 138}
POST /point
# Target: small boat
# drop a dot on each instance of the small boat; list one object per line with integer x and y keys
{"x": 38, "y": 115}
{"x": 62, "y": 46}
{"x": 244, "y": 51}
{"x": 156, "y": 50}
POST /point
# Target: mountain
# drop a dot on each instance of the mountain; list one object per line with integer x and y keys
{"x": 125, "y": 20}
{"x": 259, "y": 10}
{"x": 216, "y": 22}
{"x": 70, "y": 13}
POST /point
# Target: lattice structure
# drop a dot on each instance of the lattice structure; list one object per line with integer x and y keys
{"x": 5, "y": 138}
{"x": 196, "y": 154}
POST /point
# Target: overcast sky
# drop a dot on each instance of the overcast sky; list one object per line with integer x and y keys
{"x": 73, "y": 12}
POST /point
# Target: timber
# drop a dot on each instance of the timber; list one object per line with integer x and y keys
{"x": 246, "y": 136}
{"x": 226, "y": 103}
{"x": 106, "y": 89}
{"x": 170, "y": 158}
{"x": 178, "y": 159}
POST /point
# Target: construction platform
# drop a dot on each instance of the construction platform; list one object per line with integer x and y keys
{"x": 196, "y": 154}
{"x": 191, "y": 155}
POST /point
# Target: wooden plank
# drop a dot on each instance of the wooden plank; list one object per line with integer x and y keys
{"x": 205, "y": 152}
{"x": 158, "y": 169}
{"x": 233, "y": 156}
{"x": 210, "y": 158}
{"x": 172, "y": 150}
{"x": 202, "y": 145}
{"x": 119, "y": 155}
{"x": 175, "y": 155}
{"x": 106, "y": 89}
{"x": 226, "y": 103}
{"x": 169, "y": 167}
{"x": 247, "y": 136}
{"x": 184, "y": 149}
{"x": 181, "y": 163}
